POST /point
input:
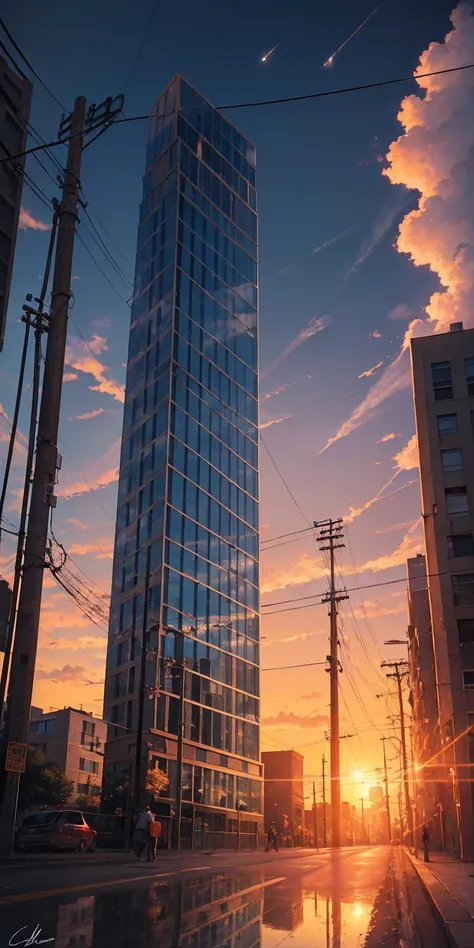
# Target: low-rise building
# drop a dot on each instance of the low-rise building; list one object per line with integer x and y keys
{"x": 74, "y": 740}
{"x": 283, "y": 791}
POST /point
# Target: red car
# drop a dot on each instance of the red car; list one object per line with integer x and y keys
{"x": 56, "y": 829}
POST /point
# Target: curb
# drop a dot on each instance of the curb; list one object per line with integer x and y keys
{"x": 112, "y": 857}
{"x": 455, "y": 920}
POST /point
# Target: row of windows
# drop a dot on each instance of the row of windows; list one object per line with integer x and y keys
{"x": 155, "y": 198}
{"x": 219, "y": 193}
{"x": 162, "y": 240}
{"x": 161, "y": 169}
{"x": 160, "y": 142}
{"x": 220, "y": 165}
{"x": 180, "y": 591}
{"x": 220, "y": 242}
{"x": 220, "y": 578}
{"x": 206, "y": 510}
{"x": 218, "y": 550}
{"x": 213, "y": 125}
{"x": 137, "y": 472}
{"x": 461, "y": 544}
{"x": 91, "y": 789}
{"x": 88, "y": 766}
{"x": 189, "y": 429}
{"x": 443, "y": 382}
{"x": 226, "y": 526}
{"x": 133, "y": 570}
{"x": 211, "y": 313}
{"x": 214, "y": 214}
{"x": 192, "y": 249}
{"x": 241, "y": 304}
{"x": 149, "y": 365}
{"x": 216, "y": 788}
{"x": 217, "y": 353}
{"x": 202, "y": 473}
{"x": 166, "y": 208}
{"x": 219, "y": 392}
{"x": 209, "y": 661}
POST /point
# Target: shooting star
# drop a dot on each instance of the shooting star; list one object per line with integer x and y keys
{"x": 270, "y": 51}
{"x": 331, "y": 58}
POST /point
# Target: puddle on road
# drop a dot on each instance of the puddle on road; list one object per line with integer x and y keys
{"x": 219, "y": 911}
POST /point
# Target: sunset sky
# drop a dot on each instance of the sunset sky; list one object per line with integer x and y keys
{"x": 366, "y": 238}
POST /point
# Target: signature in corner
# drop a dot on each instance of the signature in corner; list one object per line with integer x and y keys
{"x": 27, "y": 940}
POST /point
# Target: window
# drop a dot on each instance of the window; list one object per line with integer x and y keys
{"x": 88, "y": 766}
{"x": 466, "y": 631}
{"x": 461, "y": 544}
{"x": 468, "y": 679}
{"x": 457, "y": 501}
{"x": 452, "y": 460}
{"x": 463, "y": 590}
{"x": 88, "y": 731}
{"x": 469, "y": 366}
{"x": 45, "y": 727}
{"x": 447, "y": 424}
{"x": 442, "y": 382}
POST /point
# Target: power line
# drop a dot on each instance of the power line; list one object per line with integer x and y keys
{"x": 275, "y": 465}
{"x": 286, "y": 667}
{"x": 140, "y": 44}
{"x": 100, "y": 243}
{"x": 30, "y": 67}
{"x": 359, "y": 88}
{"x": 283, "y": 536}
{"x": 100, "y": 268}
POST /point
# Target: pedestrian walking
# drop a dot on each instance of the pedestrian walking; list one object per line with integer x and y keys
{"x": 272, "y": 838}
{"x": 425, "y": 836}
{"x": 141, "y": 834}
{"x": 154, "y": 833}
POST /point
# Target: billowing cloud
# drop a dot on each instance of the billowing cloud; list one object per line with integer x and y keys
{"x": 274, "y": 421}
{"x": 315, "y": 325}
{"x": 82, "y": 356}
{"x": 434, "y": 156}
{"x": 88, "y": 415}
{"x": 388, "y": 437}
{"x": 407, "y": 458}
{"x": 369, "y": 372}
{"x": 296, "y": 720}
{"x": 26, "y": 221}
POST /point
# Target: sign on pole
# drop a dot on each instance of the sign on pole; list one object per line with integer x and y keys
{"x": 16, "y": 757}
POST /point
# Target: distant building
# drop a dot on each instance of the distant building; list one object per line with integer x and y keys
{"x": 283, "y": 790}
{"x": 74, "y": 741}
{"x": 443, "y": 384}
{"x": 422, "y": 682}
{"x": 15, "y": 101}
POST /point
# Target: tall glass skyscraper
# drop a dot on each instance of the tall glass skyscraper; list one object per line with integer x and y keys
{"x": 185, "y": 576}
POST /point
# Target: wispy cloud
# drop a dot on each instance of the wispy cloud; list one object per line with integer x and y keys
{"x": 275, "y": 391}
{"x": 70, "y": 376}
{"x": 304, "y": 721}
{"x": 329, "y": 243}
{"x": 311, "y": 696}
{"x": 26, "y": 221}
{"x": 394, "y": 526}
{"x": 355, "y": 512}
{"x": 381, "y": 227}
{"x": 369, "y": 372}
{"x": 375, "y": 334}
{"x": 388, "y": 437}
{"x": 88, "y": 415}
{"x": 103, "y": 549}
{"x": 82, "y": 356}
{"x": 21, "y": 443}
{"x": 274, "y": 421}
{"x": 77, "y": 523}
{"x": 66, "y": 673}
{"x": 401, "y": 311}
{"x": 315, "y": 325}
{"x": 99, "y": 473}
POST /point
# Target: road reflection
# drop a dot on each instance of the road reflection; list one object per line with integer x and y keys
{"x": 245, "y": 911}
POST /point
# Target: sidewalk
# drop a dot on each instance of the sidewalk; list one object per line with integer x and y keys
{"x": 450, "y": 886}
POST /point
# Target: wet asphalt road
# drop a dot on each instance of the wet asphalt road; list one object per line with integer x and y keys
{"x": 348, "y": 899}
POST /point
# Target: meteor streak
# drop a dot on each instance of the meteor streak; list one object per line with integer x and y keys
{"x": 333, "y": 55}
{"x": 270, "y": 51}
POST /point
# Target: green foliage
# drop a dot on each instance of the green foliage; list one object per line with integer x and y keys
{"x": 43, "y": 783}
{"x": 86, "y": 802}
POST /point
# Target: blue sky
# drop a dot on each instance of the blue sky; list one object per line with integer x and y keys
{"x": 320, "y": 185}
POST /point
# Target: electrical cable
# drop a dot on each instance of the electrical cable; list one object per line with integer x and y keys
{"x": 286, "y": 667}
{"x": 283, "y": 536}
{"x": 30, "y": 67}
{"x": 99, "y": 242}
{"x": 275, "y": 465}
{"x": 100, "y": 268}
{"x": 140, "y": 45}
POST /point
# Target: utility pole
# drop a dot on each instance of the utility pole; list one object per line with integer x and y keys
{"x": 325, "y": 839}
{"x": 363, "y": 821}
{"x": 329, "y": 538}
{"x": 38, "y": 320}
{"x": 387, "y": 799}
{"x": 315, "y": 817}
{"x": 43, "y": 499}
{"x": 400, "y": 670}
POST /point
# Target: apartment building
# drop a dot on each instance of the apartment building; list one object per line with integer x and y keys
{"x": 74, "y": 740}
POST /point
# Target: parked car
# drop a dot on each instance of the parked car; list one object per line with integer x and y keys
{"x": 56, "y": 829}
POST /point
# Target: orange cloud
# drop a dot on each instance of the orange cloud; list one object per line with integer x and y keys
{"x": 88, "y": 415}
{"x": 274, "y": 421}
{"x": 355, "y": 512}
{"x": 388, "y": 437}
{"x": 26, "y": 221}
{"x": 103, "y": 549}
{"x": 276, "y": 391}
{"x": 70, "y": 376}
{"x": 66, "y": 673}
{"x": 77, "y": 523}
{"x": 407, "y": 458}
{"x": 103, "y": 480}
{"x": 433, "y": 157}
{"x": 99, "y": 474}
{"x": 82, "y": 356}
{"x": 296, "y": 720}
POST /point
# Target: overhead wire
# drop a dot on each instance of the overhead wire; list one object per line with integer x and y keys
{"x": 30, "y": 67}
{"x": 82, "y": 241}
{"x": 275, "y": 465}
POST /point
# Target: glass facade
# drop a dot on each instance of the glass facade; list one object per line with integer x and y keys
{"x": 187, "y": 521}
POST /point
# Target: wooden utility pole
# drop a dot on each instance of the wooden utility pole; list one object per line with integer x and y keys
{"x": 323, "y": 762}
{"x": 387, "y": 799}
{"x": 400, "y": 670}
{"x": 72, "y": 129}
{"x": 315, "y": 817}
{"x": 329, "y": 537}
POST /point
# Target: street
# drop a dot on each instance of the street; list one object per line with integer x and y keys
{"x": 368, "y": 896}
